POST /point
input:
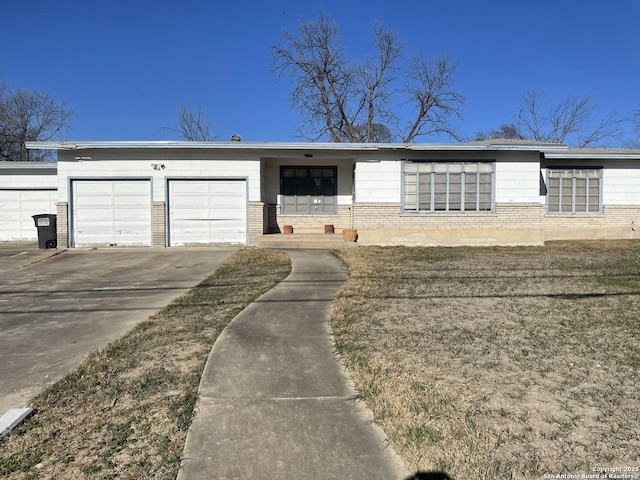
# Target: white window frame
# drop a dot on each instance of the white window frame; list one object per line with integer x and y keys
{"x": 421, "y": 195}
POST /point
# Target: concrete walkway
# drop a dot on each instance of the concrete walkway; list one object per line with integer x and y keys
{"x": 274, "y": 400}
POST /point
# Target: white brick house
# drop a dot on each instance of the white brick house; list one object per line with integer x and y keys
{"x": 493, "y": 192}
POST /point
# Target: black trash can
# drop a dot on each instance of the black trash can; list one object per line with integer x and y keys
{"x": 46, "y": 224}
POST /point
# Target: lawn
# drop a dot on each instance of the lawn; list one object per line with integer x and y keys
{"x": 124, "y": 412}
{"x": 487, "y": 363}
{"x": 477, "y": 362}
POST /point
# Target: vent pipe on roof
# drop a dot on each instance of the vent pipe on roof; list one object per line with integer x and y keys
{"x": 236, "y": 138}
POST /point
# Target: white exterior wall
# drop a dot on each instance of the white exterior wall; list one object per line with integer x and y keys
{"x": 378, "y": 182}
{"x": 31, "y": 181}
{"x": 142, "y": 168}
{"x": 621, "y": 186}
{"x": 517, "y": 180}
{"x": 620, "y": 178}
{"x": 518, "y": 183}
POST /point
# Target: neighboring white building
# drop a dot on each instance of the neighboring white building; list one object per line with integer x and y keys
{"x": 26, "y": 189}
{"x": 481, "y": 193}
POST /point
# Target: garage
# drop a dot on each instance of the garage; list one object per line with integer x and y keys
{"x": 206, "y": 211}
{"x": 112, "y": 212}
{"x": 16, "y": 208}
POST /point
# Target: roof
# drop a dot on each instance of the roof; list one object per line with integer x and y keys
{"x": 302, "y": 146}
{"x": 517, "y": 142}
{"x": 549, "y": 150}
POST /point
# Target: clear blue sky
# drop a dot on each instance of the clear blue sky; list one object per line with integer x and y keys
{"x": 125, "y": 66}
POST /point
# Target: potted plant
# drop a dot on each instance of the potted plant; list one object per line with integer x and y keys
{"x": 350, "y": 234}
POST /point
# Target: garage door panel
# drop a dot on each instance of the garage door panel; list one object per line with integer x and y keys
{"x": 191, "y": 201}
{"x": 225, "y": 189}
{"x": 207, "y": 211}
{"x": 126, "y": 188}
{"x": 192, "y": 213}
{"x": 92, "y": 188}
{"x": 130, "y": 201}
{"x": 94, "y": 201}
{"x": 126, "y": 225}
{"x": 229, "y": 202}
{"x": 112, "y": 212}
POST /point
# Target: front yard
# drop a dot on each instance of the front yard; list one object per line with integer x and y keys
{"x": 498, "y": 362}
{"x": 481, "y": 363}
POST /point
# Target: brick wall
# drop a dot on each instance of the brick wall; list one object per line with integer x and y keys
{"x": 309, "y": 223}
{"x": 510, "y": 224}
{"x": 62, "y": 224}
{"x": 257, "y": 220}
{"x": 616, "y": 222}
{"x": 389, "y": 215}
{"x": 158, "y": 224}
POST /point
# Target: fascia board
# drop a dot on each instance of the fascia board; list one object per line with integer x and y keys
{"x": 286, "y": 146}
{"x": 199, "y": 145}
{"x": 586, "y": 155}
{"x": 29, "y": 165}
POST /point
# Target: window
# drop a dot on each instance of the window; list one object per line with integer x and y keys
{"x": 574, "y": 190}
{"x": 308, "y": 190}
{"x": 448, "y": 187}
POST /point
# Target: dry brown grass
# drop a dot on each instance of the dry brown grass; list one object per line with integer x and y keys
{"x": 125, "y": 411}
{"x": 490, "y": 363}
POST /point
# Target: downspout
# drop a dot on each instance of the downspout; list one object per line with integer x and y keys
{"x": 353, "y": 194}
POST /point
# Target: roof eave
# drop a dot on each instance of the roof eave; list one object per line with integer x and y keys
{"x": 29, "y": 165}
{"x": 306, "y": 146}
{"x": 587, "y": 155}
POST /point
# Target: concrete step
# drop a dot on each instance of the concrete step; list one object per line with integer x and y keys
{"x": 303, "y": 240}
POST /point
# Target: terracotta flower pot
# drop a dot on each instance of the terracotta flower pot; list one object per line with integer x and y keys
{"x": 287, "y": 229}
{"x": 350, "y": 234}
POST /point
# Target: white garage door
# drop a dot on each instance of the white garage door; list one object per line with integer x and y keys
{"x": 16, "y": 209}
{"x": 207, "y": 211}
{"x": 111, "y": 212}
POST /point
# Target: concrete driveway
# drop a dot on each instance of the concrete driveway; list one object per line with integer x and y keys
{"x": 57, "y": 307}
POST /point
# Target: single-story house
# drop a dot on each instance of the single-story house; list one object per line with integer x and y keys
{"x": 26, "y": 189}
{"x": 497, "y": 192}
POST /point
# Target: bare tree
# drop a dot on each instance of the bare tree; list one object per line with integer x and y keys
{"x": 568, "y": 121}
{"x": 345, "y": 100}
{"x": 507, "y": 131}
{"x": 193, "y": 126}
{"x": 27, "y": 115}
{"x": 434, "y": 98}
{"x": 634, "y": 141}
{"x": 375, "y": 132}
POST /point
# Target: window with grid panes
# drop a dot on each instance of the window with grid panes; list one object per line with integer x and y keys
{"x": 308, "y": 190}
{"x": 448, "y": 186}
{"x": 574, "y": 190}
